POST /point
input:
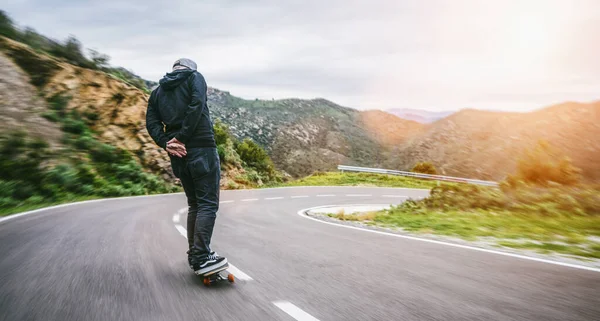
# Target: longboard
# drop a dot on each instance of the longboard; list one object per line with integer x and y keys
{"x": 217, "y": 275}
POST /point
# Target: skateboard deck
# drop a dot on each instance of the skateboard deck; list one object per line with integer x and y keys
{"x": 217, "y": 275}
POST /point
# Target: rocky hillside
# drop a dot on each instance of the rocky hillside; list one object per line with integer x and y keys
{"x": 71, "y": 107}
{"x": 486, "y": 145}
{"x": 118, "y": 108}
{"x": 303, "y": 136}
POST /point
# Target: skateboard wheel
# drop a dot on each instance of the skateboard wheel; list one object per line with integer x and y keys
{"x": 206, "y": 281}
{"x": 231, "y": 278}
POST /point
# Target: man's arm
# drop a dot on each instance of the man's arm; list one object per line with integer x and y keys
{"x": 154, "y": 124}
{"x": 195, "y": 108}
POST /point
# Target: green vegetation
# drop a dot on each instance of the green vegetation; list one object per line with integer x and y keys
{"x": 424, "y": 168}
{"x": 531, "y": 210}
{"x": 544, "y": 165}
{"x": 357, "y": 179}
{"x": 258, "y": 167}
{"x": 33, "y": 175}
{"x": 71, "y": 50}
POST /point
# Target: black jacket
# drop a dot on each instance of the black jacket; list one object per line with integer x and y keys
{"x": 177, "y": 108}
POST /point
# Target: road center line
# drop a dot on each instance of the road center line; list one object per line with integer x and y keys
{"x": 250, "y": 199}
{"x": 395, "y": 196}
{"x": 357, "y": 195}
{"x": 237, "y": 273}
{"x": 274, "y": 198}
{"x": 325, "y": 195}
{"x": 225, "y": 202}
{"x": 181, "y": 230}
{"x": 176, "y": 218}
{"x": 294, "y": 311}
{"x": 300, "y": 196}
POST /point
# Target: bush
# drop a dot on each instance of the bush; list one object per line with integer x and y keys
{"x": 51, "y": 116}
{"x": 222, "y": 134}
{"x": 544, "y": 164}
{"x": 74, "y": 126}
{"x": 84, "y": 142}
{"x": 424, "y": 168}
{"x": 59, "y": 103}
{"x": 255, "y": 156}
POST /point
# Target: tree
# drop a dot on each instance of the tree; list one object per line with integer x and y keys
{"x": 424, "y": 168}
{"x": 7, "y": 26}
{"x": 100, "y": 60}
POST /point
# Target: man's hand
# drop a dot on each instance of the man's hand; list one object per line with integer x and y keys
{"x": 176, "y": 148}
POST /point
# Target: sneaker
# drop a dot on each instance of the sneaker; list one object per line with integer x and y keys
{"x": 212, "y": 262}
{"x": 212, "y": 255}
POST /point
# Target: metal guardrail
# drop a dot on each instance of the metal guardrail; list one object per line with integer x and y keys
{"x": 417, "y": 175}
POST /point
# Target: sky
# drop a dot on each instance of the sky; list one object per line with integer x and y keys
{"x": 425, "y": 54}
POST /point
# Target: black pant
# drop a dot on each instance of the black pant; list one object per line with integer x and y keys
{"x": 200, "y": 175}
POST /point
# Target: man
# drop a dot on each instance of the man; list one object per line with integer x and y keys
{"x": 178, "y": 120}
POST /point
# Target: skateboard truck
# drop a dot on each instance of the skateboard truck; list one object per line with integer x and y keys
{"x": 217, "y": 276}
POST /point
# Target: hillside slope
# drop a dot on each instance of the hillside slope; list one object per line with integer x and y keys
{"x": 303, "y": 136}
{"x": 486, "y": 145}
{"x": 42, "y": 95}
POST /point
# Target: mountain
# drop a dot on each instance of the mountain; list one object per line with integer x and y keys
{"x": 418, "y": 115}
{"x": 487, "y": 145}
{"x": 303, "y": 136}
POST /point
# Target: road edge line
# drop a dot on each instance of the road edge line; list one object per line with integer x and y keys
{"x": 302, "y": 213}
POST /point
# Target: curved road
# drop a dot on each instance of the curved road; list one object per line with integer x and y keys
{"x": 124, "y": 259}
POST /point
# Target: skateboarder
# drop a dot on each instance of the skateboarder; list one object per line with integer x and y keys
{"x": 179, "y": 121}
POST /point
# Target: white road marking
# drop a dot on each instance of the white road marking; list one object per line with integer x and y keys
{"x": 294, "y": 311}
{"x": 300, "y": 196}
{"x": 395, "y": 196}
{"x": 181, "y": 230}
{"x": 326, "y": 195}
{"x": 176, "y": 218}
{"x": 250, "y": 199}
{"x": 274, "y": 198}
{"x": 237, "y": 273}
{"x": 10, "y": 217}
{"x": 225, "y": 202}
{"x": 582, "y": 267}
{"x": 357, "y": 195}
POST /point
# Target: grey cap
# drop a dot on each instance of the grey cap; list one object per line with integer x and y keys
{"x": 185, "y": 62}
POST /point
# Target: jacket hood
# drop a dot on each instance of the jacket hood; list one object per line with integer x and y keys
{"x": 172, "y": 79}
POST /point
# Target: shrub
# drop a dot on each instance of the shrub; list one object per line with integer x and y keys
{"x": 424, "y": 168}
{"x": 59, "y": 103}
{"x": 255, "y": 156}
{"x": 51, "y": 116}
{"x": 222, "y": 134}
{"x": 74, "y": 126}
{"x": 84, "y": 142}
{"x": 544, "y": 164}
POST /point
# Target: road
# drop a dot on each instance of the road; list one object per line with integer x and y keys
{"x": 124, "y": 259}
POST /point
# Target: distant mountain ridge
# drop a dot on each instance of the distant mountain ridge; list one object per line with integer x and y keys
{"x": 487, "y": 144}
{"x": 419, "y": 115}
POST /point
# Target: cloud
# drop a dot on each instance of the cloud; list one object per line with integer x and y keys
{"x": 438, "y": 55}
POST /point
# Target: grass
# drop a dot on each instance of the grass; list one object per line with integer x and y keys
{"x": 24, "y": 207}
{"x": 357, "y": 179}
{"x": 551, "y": 220}
{"x": 561, "y": 234}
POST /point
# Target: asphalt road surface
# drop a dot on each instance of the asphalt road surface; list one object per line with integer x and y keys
{"x": 124, "y": 259}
